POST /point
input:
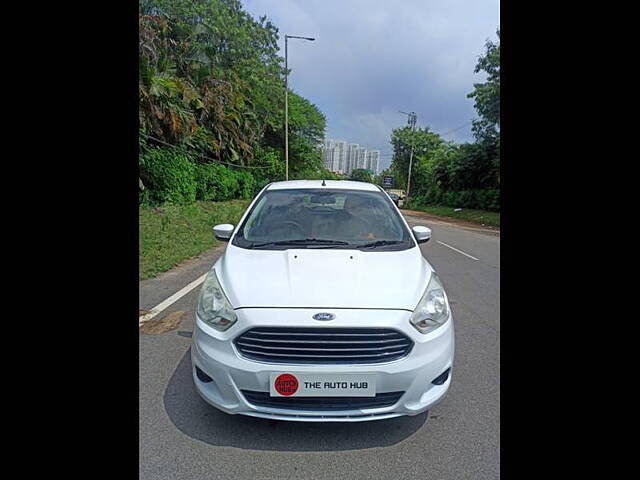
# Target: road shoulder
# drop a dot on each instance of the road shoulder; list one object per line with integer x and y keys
{"x": 154, "y": 290}
{"x": 454, "y": 222}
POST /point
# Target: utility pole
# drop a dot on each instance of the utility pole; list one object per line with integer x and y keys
{"x": 286, "y": 111}
{"x": 286, "y": 103}
{"x": 413, "y": 118}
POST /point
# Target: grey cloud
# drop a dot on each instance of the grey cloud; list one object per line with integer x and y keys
{"x": 372, "y": 58}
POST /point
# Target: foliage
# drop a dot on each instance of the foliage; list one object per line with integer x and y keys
{"x": 445, "y": 173}
{"x": 424, "y": 143}
{"x": 484, "y": 199}
{"x": 361, "y": 175}
{"x": 215, "y": 183}
{"x": 273, "y": 160}
{"x": 466, "y": 166}
{"x": 171, "y": 176}
{"x": 306, "y": 130}
{"x": 487, "y": 95}
{"x": 322, "y": 174}
{"x": 208, "y": 64}
{"x": 211, "y": 81}
{"x": 168, "y": 175}
{"x": 211, "y": 87}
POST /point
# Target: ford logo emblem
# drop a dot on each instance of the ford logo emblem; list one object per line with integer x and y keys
{"x": 324, "y": 316}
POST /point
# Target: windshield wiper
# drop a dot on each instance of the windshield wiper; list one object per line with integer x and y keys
{"x": 380, "y": 243}
{"x": 302, "y": 242}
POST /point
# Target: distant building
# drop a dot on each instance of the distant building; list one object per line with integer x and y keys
{"x": 361, "y": 161}
{"x": 328, "y": 154}
{"x": 341, "y": 157}
{"x": 373, "y": 161}
{"x": 352, "y": 157}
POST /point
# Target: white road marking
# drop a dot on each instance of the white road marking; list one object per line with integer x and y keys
{"x": 171, "y": 300}
{"x": 459, "y": 251}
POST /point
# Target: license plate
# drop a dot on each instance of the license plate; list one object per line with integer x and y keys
{"x": 290, "y": 384}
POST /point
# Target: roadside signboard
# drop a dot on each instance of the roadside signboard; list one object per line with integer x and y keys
{"x": 387, "y": 181}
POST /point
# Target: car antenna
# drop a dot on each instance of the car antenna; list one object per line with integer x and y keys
{"x": 323, "y": 184}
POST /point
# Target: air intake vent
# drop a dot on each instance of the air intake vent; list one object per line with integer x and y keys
{"x": 322, "y": 404}
{"x": 298, "y": 345}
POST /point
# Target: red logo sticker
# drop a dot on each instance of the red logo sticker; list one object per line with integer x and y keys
{"x": 286, "y": 384}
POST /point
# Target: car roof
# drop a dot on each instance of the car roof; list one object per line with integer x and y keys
{"x": 335, "y": 184}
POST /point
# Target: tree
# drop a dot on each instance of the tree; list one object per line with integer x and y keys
{"x": 361, "y": 175}
{"x": 487, "y": 103}
{"x": 207, "y": 66}
{"x": 211, "y": 82}
{"x": 487, "y": 95}
{"x": 307, "y": 126}
{"x": 424, "y": 142}
{"x": 448, "y": 173}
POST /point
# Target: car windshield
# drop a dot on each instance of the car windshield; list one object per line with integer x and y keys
{"x": 323, "y": 218}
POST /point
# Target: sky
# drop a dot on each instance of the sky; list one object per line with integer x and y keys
{"x": 373, "y": 58}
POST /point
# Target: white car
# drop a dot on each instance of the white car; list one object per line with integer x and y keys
{"x": 322, "y": 308}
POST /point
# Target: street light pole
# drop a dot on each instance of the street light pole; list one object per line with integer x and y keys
{"x": 412, "y": 122}
{"x": 286, "y": 102}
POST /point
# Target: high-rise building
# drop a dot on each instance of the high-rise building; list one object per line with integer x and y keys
{"x": 373, "y": 161}
{"x": 327, "y": 154}
{"x": 341, "y": 157}
{"x": 352, "y": 156}
{"x": 361, "y": 161}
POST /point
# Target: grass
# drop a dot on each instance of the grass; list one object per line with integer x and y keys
{"x": 476, "y": 216}
{"x": 171, "y": 234}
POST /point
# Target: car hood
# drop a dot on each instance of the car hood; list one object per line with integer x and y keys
{"x": 323, "y": 278}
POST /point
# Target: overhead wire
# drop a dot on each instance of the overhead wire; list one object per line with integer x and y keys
{"x": 199, "y": 155}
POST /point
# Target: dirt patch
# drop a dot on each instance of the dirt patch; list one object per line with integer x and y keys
{"x": 164, "y": 324}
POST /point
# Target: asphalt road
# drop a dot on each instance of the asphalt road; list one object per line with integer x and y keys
{"x": 182, "y": 437}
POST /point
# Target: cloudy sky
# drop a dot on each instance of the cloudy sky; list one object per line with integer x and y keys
{"x": 372, "y": 58}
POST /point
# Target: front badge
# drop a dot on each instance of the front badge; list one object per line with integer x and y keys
{"x": 323, "y": 316}
{"x": 286, "y": 384}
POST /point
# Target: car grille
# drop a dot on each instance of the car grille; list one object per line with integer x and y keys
{"x": 263, "y": 399}
{"x": 323, "y": 345}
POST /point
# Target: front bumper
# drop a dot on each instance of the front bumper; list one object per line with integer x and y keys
{"x": 214, "y": 353}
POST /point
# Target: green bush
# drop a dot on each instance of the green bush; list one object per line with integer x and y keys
{"x": 217, "y": 183}
{"x": 272, "y": 168}
{"x": 168, "y": 176}
{"x": 476, "y": 199}
{"x": 246, "y": 184}
{"x": 489, "y": 199}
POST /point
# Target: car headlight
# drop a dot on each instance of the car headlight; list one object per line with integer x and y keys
{"x": 433, "y": 309}
{"x": 213, "y": 307}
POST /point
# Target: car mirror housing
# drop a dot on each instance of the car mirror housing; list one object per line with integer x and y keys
{"x": 223, "y": 231}
{"x": 421, "y": 234}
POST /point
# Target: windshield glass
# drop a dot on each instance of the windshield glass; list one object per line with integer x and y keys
{"x": 323, "y": 218}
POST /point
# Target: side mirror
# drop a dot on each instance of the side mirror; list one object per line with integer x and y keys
{"x": 223, "y": 231}
{"x": 422, "y": 234}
